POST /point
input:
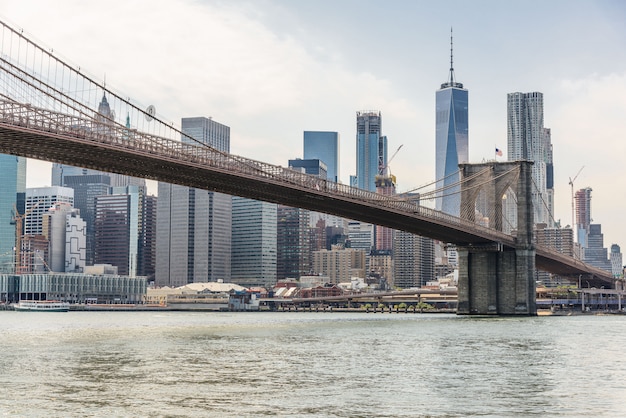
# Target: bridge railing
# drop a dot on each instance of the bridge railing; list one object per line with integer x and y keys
{"x": 102, "y": 130}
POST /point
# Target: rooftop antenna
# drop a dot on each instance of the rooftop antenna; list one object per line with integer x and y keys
{"x": 451, "y": 81}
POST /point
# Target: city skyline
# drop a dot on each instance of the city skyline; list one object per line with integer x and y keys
{"x": 275, "y": 69}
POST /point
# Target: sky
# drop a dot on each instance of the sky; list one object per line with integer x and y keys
{"x": 271, "y": 69}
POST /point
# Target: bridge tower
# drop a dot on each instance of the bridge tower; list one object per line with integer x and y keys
{"x": 493, "y": 279}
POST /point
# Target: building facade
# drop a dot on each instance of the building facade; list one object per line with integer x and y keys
{"x": 86, "y": 187}
{"x": 323, "y": 146}
{"x": 528, "y": 139}
{"x": 118, "y": 229}
{"x": 193, "y": 232}
{"x": 451, "y": 141}
{"x": 13, "y": 174}
{"x": 582, "y": 199}
{"x": 254, "y": 244}
{"x": 339, "y": 264}
{"x": 65, "y": 231}
{"x": 38, "y": 201}
{"x": 414, "y": 260}
{"x": 292, "y": 241}
{"x": 371, "y": 149}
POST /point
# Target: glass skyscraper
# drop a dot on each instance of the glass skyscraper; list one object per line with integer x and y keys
{"x": 254, "y": 253}
{"x": 452, "y": 137}
{"x": 371, "y": 149}
{"x": 13, "y": 174}
{"x": 323, "y": 146}
{"x": 528, "y": 139}
{"x": 194, "y": 225}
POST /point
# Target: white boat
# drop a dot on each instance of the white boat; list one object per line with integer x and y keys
{"x": 42, "y": 306}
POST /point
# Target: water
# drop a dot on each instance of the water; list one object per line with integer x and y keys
{"x": 175, "y": 364}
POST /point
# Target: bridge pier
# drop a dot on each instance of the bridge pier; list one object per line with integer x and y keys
{"x": 494, "y": 280}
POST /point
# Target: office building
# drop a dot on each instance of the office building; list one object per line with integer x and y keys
{"x": 323, "y": 146}
{"x": 617, "y": 266}
{"x": 414, "y": 260}
{"x": 193, "y": 232}
{"x": 528, "y": 139}
{"x": 65, "y": 231}
{"x": 451, "y": 141}
{"x": 118, "y": 228}
{"x": 38, "y": 201}
{"x": 292, "y": 240}
{"x": 254, "y": 245}
{"x": 314, "y": 167}
{"x": 582, "y": 199}
{"x": 595, "y": 254}
{"x": 339, "y": 264}
{"x": 13, "y": 174}
{"x": 86, "y": 187}
{"x": 147, "y": 249}
{"x": 371, "y": 149}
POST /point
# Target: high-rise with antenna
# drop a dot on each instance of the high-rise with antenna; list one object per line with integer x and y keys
{"x": 451, "y": 146}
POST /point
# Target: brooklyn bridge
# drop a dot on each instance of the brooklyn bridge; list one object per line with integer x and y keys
{"x": 48, "y": 112}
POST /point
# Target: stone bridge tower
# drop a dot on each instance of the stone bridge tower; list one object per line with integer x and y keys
{"x": 496, "y": 280}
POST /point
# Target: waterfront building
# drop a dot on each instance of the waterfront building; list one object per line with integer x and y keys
{"x": 323, "y": 146}
{"x": 73, "y": 288}
{"x": 371, "y": 149}
{"x": 528, "y": 139}
{"x": 38, "y": 201}
{"x": 118, "y": 228}
{"x": 193, "y": 232}
{"x": 414, "y": 260}
{"x": 13, "y": 175}
{"x": 292, "y": 242}
{"x": 65, "y": 232}
{"x": 339, "y": 264}
{"x": 254, "y": 245}
{"x": 451, "y": 141}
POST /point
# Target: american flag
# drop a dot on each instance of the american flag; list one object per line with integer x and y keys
{"x": 498, "y": 152}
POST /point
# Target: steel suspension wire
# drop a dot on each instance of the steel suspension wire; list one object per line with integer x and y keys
{"x": 545, "y": 205}
{"x": 429, "y": 195}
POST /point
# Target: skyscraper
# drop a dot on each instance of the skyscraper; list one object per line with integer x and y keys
{"x": 254, "y": 242}
{"x": 86, "y": 187}
{"x": 528, "y": 139}
{"x": 292, "y": 242}
{"x": 583, "y": 215}
{"x": 193, "y": 240}
{"x": 13, "y": 174}
{"x": 371, "y": 149}
{"x": 118, "y": 229}
{"x": 323, "y": 146}
{"x": 38, "y": 201}
{"x": 451, "y": 143}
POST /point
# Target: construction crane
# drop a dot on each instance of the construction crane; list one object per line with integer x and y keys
{"x": 571, "y": 183}
{"x": 384, "y": 172}
{"x": 19, "y": 221}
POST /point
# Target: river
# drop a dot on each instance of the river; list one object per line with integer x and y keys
{"x": 305, "y": 364}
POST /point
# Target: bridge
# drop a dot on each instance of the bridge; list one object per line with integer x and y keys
{"x": 48, "y": 112}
